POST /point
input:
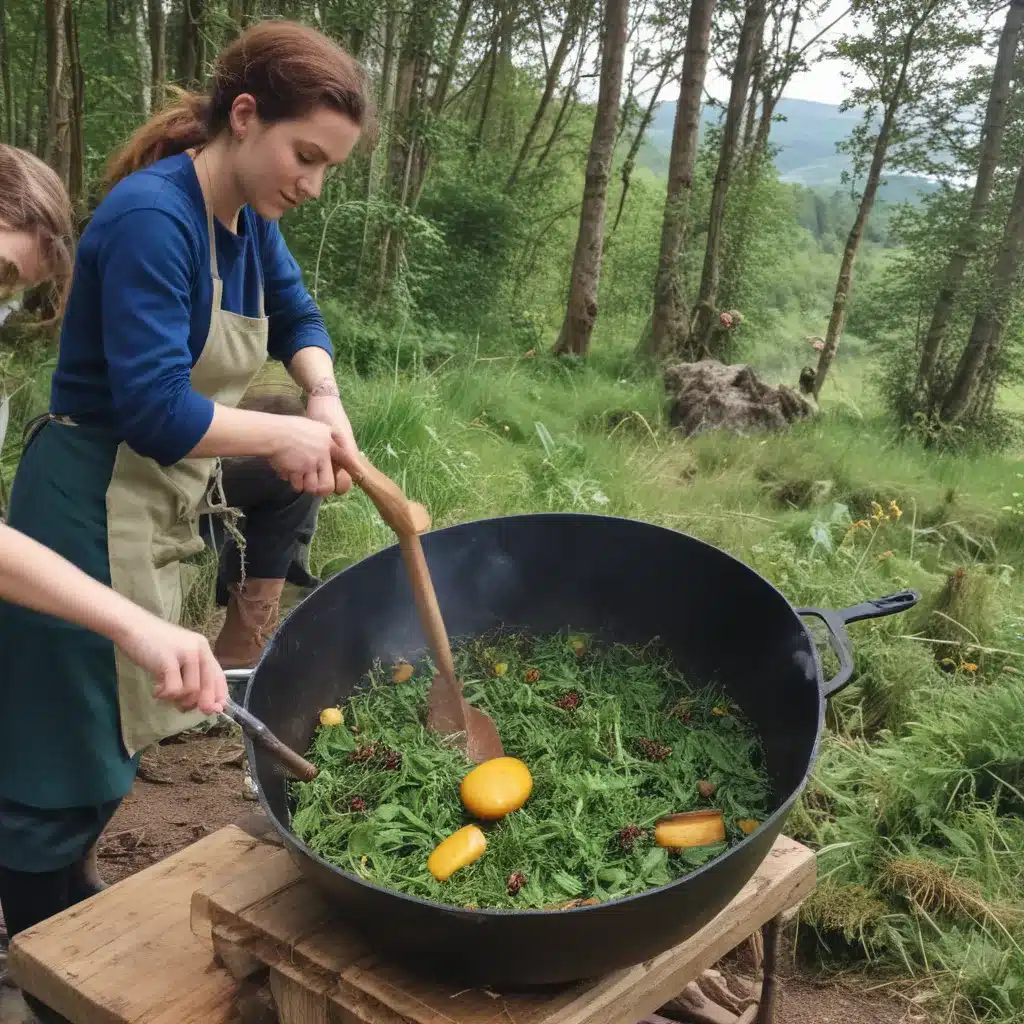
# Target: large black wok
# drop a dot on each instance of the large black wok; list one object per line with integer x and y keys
{"x": 625, "y": 580}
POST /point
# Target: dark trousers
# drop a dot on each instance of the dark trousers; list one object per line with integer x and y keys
{"x": 277, "y": 524}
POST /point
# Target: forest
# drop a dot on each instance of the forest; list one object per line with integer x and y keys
{"x": 557, "y": 211}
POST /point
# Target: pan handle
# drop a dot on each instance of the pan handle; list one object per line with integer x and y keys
{"x": 237, "y": 677}
{"x": 836, "y": 621}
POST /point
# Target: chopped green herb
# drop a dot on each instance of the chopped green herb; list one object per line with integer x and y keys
{"x": 633, "y": 744}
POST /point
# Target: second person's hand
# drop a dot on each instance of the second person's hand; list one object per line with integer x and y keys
{"x": 186, "y": 672}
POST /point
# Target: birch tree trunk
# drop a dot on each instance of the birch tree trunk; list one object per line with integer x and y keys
{"x": 750, "y": 35}
{"x": 581, "y": 309}
{"x": 157, "y": 52}
{"x": 967, "y": 237}
{"x": 986, "y": 333}
{"x": 57, "y": 149}
{"x": 670, "y": 321}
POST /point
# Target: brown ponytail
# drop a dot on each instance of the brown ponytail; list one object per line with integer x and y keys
{"x": 287, "y": 68}
{"x": 178, "y": 126}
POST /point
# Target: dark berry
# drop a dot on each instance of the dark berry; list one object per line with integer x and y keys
{"x": 570, "y": 702}
{"x": 515, "y": 882}
{"x": 629, "y": 835}
{"x": 651, "y": 749}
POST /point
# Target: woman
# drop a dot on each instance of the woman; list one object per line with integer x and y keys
{"x": 183, "y": 285}
{"x": 35, "y": 248}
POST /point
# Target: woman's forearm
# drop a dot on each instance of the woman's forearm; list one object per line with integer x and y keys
{"x": 33, "y": 576}
{"x": 239, "y": 432}
{"x": 313, "y": 370}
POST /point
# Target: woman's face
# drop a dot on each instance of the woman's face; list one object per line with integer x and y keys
{"x": 22, "y": 265}
{"x": 278, "y": 166}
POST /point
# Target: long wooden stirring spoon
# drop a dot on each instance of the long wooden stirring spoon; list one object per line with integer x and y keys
{"x": 448, "y": 712}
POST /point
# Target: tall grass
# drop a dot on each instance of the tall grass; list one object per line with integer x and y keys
{"x": 916, "y": 804}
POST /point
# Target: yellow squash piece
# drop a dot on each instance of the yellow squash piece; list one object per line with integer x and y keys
{"x": 694, "y": 828}
{"x": 458, "y": 850}
{"x": 402, "y": 672}
{"x": 747, "y": 825}
{"x": 331, "y": 716}
{"x": 496, "y": 788}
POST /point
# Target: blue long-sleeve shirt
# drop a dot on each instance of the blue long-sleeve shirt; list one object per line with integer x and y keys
{"x": 139, "y": 309}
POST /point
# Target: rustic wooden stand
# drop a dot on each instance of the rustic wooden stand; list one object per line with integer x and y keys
{"x": 147, "y": 949}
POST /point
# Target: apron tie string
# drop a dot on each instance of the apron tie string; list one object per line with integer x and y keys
{"x": 217, "y": 504}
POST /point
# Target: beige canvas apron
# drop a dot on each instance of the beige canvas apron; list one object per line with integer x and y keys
{"x": 153, "y": 512}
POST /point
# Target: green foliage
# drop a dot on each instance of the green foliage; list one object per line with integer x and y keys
{"x": 591, "y": 777}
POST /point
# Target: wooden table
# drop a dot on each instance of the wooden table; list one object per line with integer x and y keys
{"x": 182, "y": 941}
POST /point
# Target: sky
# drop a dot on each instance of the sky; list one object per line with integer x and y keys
{"x": 822, "y": 82}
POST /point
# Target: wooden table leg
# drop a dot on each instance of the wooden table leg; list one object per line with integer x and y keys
{"x": 770, "y": 933}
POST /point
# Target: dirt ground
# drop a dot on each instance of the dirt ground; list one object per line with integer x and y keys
{"x": 196, "y": 785}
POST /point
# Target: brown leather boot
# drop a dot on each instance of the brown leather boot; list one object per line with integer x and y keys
{"x": 252, "y": 615}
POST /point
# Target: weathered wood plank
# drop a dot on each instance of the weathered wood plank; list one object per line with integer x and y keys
{"x": 129, "y": 954}
{"x": 270, "y": 919}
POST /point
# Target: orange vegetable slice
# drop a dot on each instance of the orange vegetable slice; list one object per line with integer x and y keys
{"x": 692, "y": 828}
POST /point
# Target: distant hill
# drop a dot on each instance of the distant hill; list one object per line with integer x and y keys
{"x": 807, "y": 141}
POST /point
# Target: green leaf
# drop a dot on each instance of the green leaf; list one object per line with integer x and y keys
{"x": 362, "y": 840}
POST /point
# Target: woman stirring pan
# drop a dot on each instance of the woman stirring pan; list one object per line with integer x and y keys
{"x": 182, "y": 287}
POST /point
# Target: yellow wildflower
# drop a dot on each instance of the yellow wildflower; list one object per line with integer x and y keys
{"x": 877, "y": 512}
{"x": 894, "y": 510}
{"x": 968, "y": 666}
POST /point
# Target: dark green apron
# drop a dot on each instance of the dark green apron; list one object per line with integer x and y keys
{"x": 60, "y": 738}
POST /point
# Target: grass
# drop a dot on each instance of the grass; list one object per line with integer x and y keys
{"x": 613, "y": 738}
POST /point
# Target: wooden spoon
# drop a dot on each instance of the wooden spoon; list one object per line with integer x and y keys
{"x": 448, "y": 712}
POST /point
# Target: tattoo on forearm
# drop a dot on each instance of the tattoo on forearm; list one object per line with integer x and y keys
{"x": 326, "y": 387}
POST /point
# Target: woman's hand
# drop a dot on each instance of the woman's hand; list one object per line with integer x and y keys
{"x": 304, "y": 453}
{"x": 324, "y": 406}
{"x": 186, "y": 672}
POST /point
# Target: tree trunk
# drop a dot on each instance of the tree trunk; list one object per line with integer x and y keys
{"x": 421, "y": 156}
{"x": 27, "y": 140}
{"x": 57, "y": 150}
{"x": 750, "y": 33}
{"x": 567, "y": 99}
{"x": 967, "y": 237}
{"x": 581, "y": 309}
{"x": 190, "y": 61}
{"x": 755, "y": 91}
{"x": 986, "y": 332}
{"x": 638, "y": 140}
{"x": 670, "y": 321}
{"x": 157, "y": 53}
{"x": 444, "y": 78}
{"x": 485, "y": 106}
{"x": 550, "y": 84}
{"x": 413, "y": 64}
{"x": 764, "y": 124}
{"x": 76, "y": 154}
{"x": 844, "y": 284}
{"x": 10, "y": 113}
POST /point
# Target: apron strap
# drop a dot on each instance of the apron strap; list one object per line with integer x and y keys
{"x": 214, "y": 272}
